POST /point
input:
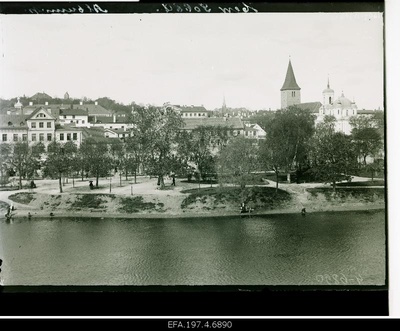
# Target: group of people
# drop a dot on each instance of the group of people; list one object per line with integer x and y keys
{"x": 10, "y": 208}
{"x": 245, "y": 209}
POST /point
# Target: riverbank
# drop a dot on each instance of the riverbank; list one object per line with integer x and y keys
{"x": 183, "y": 201}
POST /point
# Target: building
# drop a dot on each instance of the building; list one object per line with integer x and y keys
{"x": 39, "y": 126}
{"x": 75, "y": 116}
{"x": 290, "y": 91}
{"x": 341, "y": 108}
{"x": 254, "y": 131}
{"x": 234, "y": 124}
{"x": 196, "y": 112}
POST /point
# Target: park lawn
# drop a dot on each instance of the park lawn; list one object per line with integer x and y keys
{"x": 136, "y": 204}
{"x": 365, "y": 183}
{"x": 213, "y": 198}
{"x": 344, "y": 194}
{"x": 91, "y": 201}
{"x": 23, "y": 197}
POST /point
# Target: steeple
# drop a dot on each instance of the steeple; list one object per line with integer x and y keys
{"x": 290, "y": 81}
{"x": 290, "y": 91}
{"x": 223, "y": 106}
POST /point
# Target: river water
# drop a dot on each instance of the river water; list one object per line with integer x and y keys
{"x": 341, "y": 248}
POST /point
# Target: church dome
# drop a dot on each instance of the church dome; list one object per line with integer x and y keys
{"x": 342, "y": 102}
{"x": 18, "y": 104}
{"x": 328, "y": 90}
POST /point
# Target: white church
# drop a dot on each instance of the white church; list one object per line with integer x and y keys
{"x": 341, "y": 108}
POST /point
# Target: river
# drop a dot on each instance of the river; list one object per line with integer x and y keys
{"x": 330, "y": 248}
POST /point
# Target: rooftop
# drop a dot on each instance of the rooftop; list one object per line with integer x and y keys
{"x": 290, "y": 81}
{"x": 233, "y": 122}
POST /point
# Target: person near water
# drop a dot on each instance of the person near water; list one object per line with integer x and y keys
{"x": 303, "y": 212}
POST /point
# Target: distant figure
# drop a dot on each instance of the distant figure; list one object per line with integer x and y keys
{"x": 173, "y": 179}
{"x": 33, "y": 185}
{"x": 12, "y": 207}
{"x": 29, "y": 215}
{"x": 91, "y": 184}
{"x": 303, "y": 212}
{"x": 51, "y": 214}
{"x": 243, "y": 208}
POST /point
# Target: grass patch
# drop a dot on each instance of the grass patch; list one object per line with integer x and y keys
{"x": 367, "y": 183}
{"x": 342, "y": 194}
{"x": 91, "y": 201}
{"x": 259, "y": 197}
{"x": 136, "y": 204}
{"x": 22, "y": 197}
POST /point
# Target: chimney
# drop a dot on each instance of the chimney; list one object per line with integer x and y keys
{"x": 46, "y": 103}
{"x": 30, "y": 103}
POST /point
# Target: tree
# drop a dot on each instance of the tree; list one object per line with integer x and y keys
{"x": 200, "y": 146}
{"x": 270, "y": 157}
{"x": 60, "y": 159}
{"x": 367, "y": 141}
{"x": 25, "y": 159}
{"x": 154, "y": 136}
{"x": 5, "y": 153}
{"x": 96, "y": 157}
{"x": 237, "y": 160}
{"x": 334, "y": 158}
{"x": 288, "y": 137}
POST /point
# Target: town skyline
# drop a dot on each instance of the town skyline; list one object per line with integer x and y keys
{"x": 182, "y": 60}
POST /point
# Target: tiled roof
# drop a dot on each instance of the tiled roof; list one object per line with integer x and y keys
{"x": 313, "y": 107}
{"x": 15, "y": 121}
{"x": 193, "y": 109}
{"x": 290, "y": 81}
{"x": 39, "y": 109}
{"x": 368, "y": 111}
{"x": 76, "y": 111}
{"x": 107, "y": 119}
{"x": 232, "y": 122}
{"x": 93, "y": 109}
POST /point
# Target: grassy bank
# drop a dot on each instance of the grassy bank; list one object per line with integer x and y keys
{"x": 349, "y": 194}
{"x": 230, "y": 198}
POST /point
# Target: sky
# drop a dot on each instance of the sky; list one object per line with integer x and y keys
{"x": 193, "y": 59}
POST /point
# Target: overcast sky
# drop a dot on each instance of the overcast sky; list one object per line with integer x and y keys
{"x": 193, "y": 58}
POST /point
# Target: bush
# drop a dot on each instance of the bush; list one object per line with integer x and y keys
{"x": 136, "y": 204}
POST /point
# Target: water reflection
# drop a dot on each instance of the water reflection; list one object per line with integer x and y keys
{"x": 272, "y": 250}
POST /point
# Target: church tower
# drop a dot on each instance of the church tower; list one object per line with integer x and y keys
{"x": 328, "y": 95}
{"x": 290, "y": 91}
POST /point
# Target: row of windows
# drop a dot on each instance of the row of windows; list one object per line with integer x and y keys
{"x": 49, "y": 136}
{"x": 41, "y": 125}
{"x": 68, "y": 136}
{"x": 193, "y": 114}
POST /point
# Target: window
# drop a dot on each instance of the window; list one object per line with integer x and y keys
{"x": 9, "y": 123}
{"x": 330, "y": 100}
{"x": 33, "y": 136}
{"x": 61, "y": 136}
{"x": 24, "y": 137}
{"x": 49, "y": 125}
{"x": 247, "y": 133}
{"x": 83, "y": 121}
{"x": 190, "y": 114}
{"x": 75, "y": 136}
{"x": 73, "y": 116}
{"x": 65, "y": 116}
{"x": 122, "y": 127}
{"x": 71, "y": 121}
{"x": 4, "y": 137}
{"x": 41, "y": 125}
{"x": 49, "y": 137}
{"x": 68, "y": 136}
{"x": 15, "y": 137}
{"x": 33, "y": 125}
{"x": 41, "y": 137}
{"x": 338, "y": 111}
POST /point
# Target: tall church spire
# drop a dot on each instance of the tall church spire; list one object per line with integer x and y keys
{"x": 290, "y": 91}
{"x": 290, "y": 81}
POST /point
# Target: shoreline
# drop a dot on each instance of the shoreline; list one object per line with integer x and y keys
{"x": 22, "y": 214}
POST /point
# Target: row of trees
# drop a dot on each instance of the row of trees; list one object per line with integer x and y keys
{"x": 158, "y": 146}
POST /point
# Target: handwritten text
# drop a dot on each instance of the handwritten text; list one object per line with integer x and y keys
{"x": 70, "y": 10}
